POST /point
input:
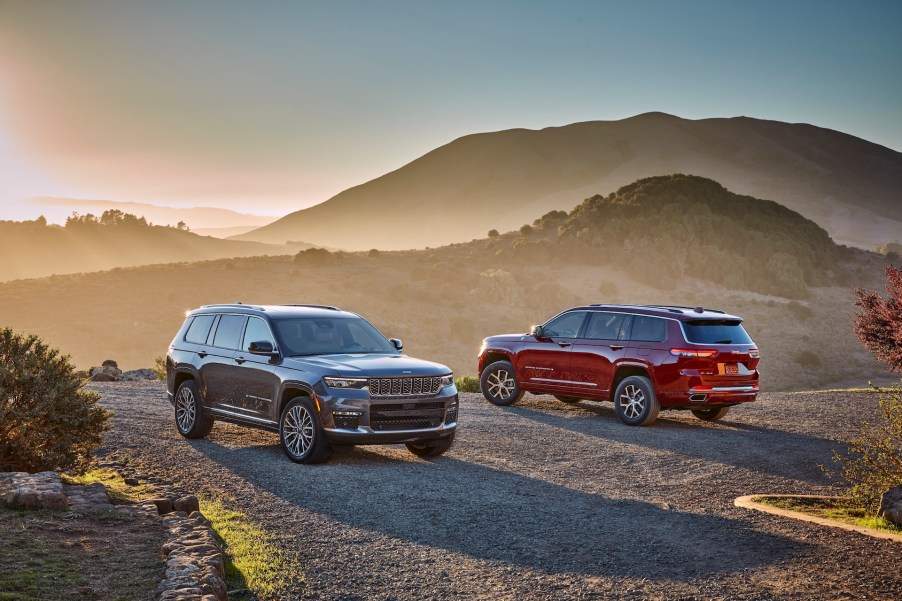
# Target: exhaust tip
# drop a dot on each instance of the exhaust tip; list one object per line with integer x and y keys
{"x": 698, "y": 398}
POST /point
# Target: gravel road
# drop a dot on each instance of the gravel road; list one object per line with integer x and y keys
{"x": 539, "y": 501}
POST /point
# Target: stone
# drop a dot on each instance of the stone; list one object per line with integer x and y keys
{"x": 138, "y": 374}
{"x": 102, "y": 376}
{"x": 891, "y": 505}
{"x": 164, "y": 506}
{"x": 188, "y": 504}
{"x": 110, "y": 363}
{"x": 131, "y": 481}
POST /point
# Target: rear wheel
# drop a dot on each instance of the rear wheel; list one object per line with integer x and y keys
{"x": 300, "y": 434}
{"x": 710, "y": 415}
{"x": 567, "y": 399}
{"x": 636, "y": 402}
{"x": 430, "y": 448}
{"x": 189, "y": 415}
{"x": 499, "y": 384}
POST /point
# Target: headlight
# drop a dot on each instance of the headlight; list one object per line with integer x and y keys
{"x": 356, "y": 383}
{"x": 447, "y": 380}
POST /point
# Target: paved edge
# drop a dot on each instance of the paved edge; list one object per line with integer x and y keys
{"x": 748, "y": 503}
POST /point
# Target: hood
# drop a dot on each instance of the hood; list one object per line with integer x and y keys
{"x": 506, "y": 338}
{"x": 358, "y": 365}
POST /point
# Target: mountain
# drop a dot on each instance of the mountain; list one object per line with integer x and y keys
{"x": 207, "y": 221}
{"x": 665, "y": 240}
{"x": 500, "y": 180}
{"x": 34, "y": 249}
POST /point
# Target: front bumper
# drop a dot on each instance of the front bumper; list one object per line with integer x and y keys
{"x": 366, "y": 435}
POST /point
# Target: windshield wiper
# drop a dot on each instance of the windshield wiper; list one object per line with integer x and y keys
{"x": 724, "y": 342}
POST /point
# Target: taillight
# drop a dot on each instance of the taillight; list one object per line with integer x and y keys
{"x": 753, "y": 353}
{"x": 682, "y": 352}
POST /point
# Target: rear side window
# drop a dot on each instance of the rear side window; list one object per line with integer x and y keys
{"x": 228, "y": 333}
{"x": 648, "y": 329}
{"x": 199, "y": 329}
{"x": 608, "y": 326}
{"x": 716, "y": 331}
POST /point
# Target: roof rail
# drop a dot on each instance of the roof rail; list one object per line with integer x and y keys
{"x": 327, "y": 307}
{"x": 683, "y": 309}
{"x": 235, "y": 305}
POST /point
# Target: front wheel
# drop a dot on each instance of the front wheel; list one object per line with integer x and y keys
{"x": 499, "y": 384}
{"x": 636, "y": 402}
{"x": 710, "y": 415}
{"x": 189, "y": 415}
{"x": 300, "y": 434}
{"x": 430, "y": 448}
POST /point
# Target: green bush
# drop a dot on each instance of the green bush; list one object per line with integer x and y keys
{"x": 47, "y": 420}
{"x": 159, "y": 368}
{"x": 872, "y": 463}
{"x": 467, "y": 384}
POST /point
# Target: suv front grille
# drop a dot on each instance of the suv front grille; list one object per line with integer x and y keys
{"x": 407, "y": 416}
{"x": 381, "y": 387}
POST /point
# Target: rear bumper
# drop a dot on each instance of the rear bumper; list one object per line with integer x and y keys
{"x": 702, "y": 396}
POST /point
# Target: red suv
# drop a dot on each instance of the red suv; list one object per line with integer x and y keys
{"x": 644, "y": 358}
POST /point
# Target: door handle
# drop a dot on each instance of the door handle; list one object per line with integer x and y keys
{"x": 564, "y": 344}
{"x": 616, "y": 347}
{"x": 240, "y": 360}
{"x": 201, "y": 354}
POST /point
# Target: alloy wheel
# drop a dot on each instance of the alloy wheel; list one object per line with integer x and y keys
{"x": 298, "y": 430}
{"x": 185, "y": 409}
{"x": 501, "y": 384}
{"x": 632, "y": 401}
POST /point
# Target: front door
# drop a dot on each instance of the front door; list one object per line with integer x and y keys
{"x": 256, "y": 383}
{"x": 545, "y": 361}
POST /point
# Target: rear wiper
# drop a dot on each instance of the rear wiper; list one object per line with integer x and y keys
{"x": 724, "y": 342}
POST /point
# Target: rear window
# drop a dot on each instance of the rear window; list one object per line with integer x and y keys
{"x": 648, "y": 329}
{"x": 199, "y": 328}
{"x": 716, "y": 331}
{"x": 228, "y": 333}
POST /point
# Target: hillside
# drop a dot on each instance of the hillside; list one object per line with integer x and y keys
{"x": 443, "y": 301}
{"x": 500, "y": 180}
{"x": 34, "y": 249}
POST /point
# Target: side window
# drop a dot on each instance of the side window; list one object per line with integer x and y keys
{"x": 228, "y": 334}
{"x": 608, "y": 326}
{"x": 648, "y": 329}
{"x": 566, "y": 325}
{"x": 256, "y": 331}
{"x": 199, "y": 329}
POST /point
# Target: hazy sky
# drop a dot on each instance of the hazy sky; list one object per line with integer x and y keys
{"x": 268, "y": 107}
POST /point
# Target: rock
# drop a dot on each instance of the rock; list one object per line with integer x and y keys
{"x": 110, "y": 363}
{"x": 188, "y": 504}
{"x": 891, "y": 505}
{"x": 105, "y": 373}
{"x": 164, "y": 506}
{"x": 131, "y": 481}
{"x": 138, "y": 374}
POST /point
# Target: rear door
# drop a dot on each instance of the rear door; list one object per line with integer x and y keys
{"x": 544, "y": 363}
{"x": 596, "y": 352}
{"x": 218, "y": 371}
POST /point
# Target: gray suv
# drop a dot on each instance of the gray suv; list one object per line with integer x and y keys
{"x": 320, "y": 377}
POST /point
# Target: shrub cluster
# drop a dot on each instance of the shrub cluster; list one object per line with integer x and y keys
{"x": 47, "y": 420}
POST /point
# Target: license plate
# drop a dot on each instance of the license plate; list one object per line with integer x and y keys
{"x": 731, "y": 369}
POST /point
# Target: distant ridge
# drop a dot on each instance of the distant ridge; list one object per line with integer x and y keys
{"x": 500, "y": 180}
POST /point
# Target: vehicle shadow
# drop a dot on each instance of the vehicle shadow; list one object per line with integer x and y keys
{"x": 496, "y": 515}
{"x": 771, "y": 451}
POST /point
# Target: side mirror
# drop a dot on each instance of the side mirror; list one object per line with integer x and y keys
{"x": 262, "y": 347}
{"x": 537, "y": 331}
{"x": 396, "y": 342}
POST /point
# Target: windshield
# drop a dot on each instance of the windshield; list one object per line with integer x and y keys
{"x": 716, "y": 331}
{"x": 330, "y": 336}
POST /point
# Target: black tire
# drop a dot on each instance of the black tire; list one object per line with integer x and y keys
{"x": 636, "y": 402}
{"x": 499, "y": 385}
{"x": 567, "y": 399}
{"x": 190, "y": 420}
{"x": 430, "y": 448}
{"x": 710, "y": 415}
{"x": 300, "y": 433}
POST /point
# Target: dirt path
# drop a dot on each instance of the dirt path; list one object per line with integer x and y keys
{"x": 540, "y": 501}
